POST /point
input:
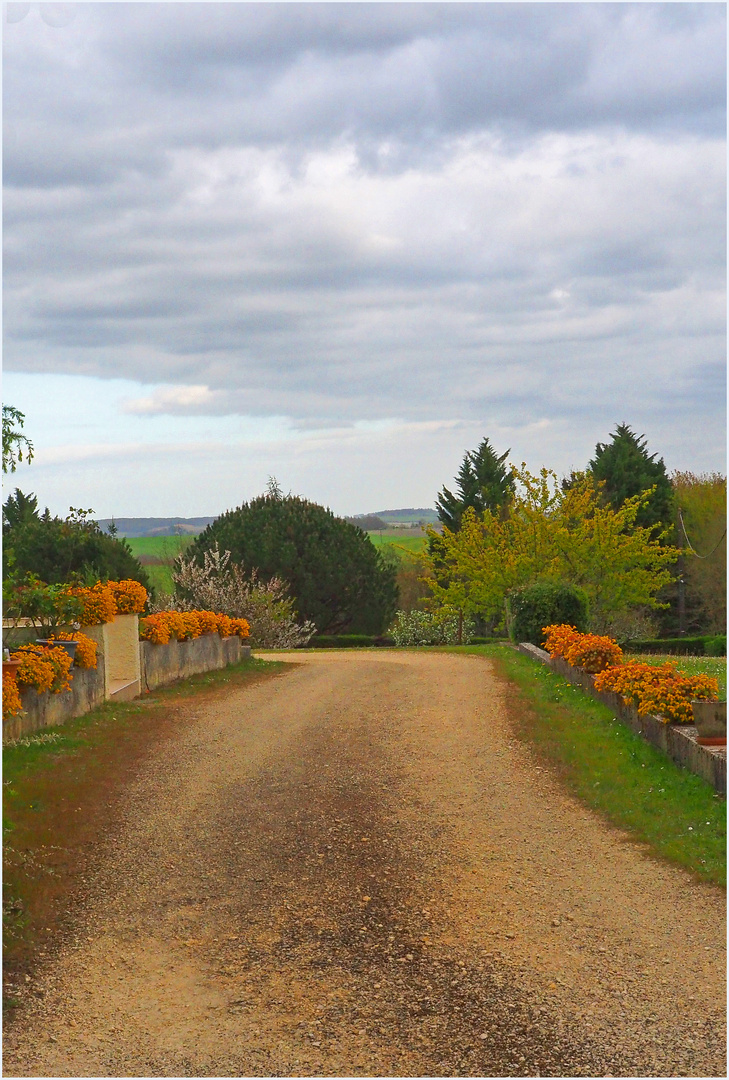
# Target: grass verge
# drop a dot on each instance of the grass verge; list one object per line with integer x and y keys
{"x": 62, "y": 789}
{"x": 631, "y": 783}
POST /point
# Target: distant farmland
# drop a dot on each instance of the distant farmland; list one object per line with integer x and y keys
{"x": 157, "y": 553}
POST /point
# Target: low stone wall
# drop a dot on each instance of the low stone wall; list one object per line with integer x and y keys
{"x": 677, "y": 741}
{"x": 46, "y": 710}
{"x": 162, "y": 664}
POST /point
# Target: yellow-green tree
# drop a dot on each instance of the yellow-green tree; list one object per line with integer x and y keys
{"x": 701, "y": 501}
{"x": 554, "y": 535}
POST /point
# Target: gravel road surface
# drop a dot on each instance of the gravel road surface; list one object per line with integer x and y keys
{"x": 356, "y": 869}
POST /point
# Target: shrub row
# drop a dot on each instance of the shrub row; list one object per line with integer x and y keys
{"x": 683, "y": 646}
{"x": 186, "y": 625}
{"x": 347, "y": 641}
{"x": 661, "y": 689}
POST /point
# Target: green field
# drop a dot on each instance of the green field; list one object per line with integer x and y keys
{"x": 164, "y": 549}
{"x": 158, "y": 547}
{"x": 156, "y": 554}
{"x": 399, "y": 538}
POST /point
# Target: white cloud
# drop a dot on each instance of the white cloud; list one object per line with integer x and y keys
{"x": 174, "y": 399}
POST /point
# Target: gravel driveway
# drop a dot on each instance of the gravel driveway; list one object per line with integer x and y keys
{"x": 356, "y": 869}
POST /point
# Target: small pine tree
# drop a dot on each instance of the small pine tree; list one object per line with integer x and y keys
{"x": 627, "y": 469}
{"x": 484, "y": 482}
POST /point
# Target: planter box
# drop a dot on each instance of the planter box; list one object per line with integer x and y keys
{"x": 162, "y": 664}
{"x": 677, "y": 741}
{"x": 47, "y": 710}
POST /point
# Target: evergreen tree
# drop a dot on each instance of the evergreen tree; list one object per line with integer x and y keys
{"x": 336, "y": 576}
{"x": 627, "y": 469}
{"x": 58, "y": 550}
{"x": 484, "y": 482}
{"x": 19, "y": 509}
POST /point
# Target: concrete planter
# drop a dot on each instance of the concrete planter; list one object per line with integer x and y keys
{"x": 710, "y": 720}
{"x": 680, "y": 742}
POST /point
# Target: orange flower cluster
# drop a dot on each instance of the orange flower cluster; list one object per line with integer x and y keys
{"x": 558, "y": 638}
{"x": 591, "y": 652}
{"x": 98, "y": 601}
{"x": 660, "y": 690}
{"x": 12, "y": 704}
{"x": 186, "y": 625}
{"x": 129, "y": 595}
{"x": 45, "y": 669}
{"x": 85, "y": 656}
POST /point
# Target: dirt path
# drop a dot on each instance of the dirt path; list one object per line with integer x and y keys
{"x": 355, "y": 869}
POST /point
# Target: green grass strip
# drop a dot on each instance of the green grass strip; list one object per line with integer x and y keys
{"x": 632, "y": 784}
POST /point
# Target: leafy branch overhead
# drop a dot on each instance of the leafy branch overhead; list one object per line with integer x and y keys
{"x": 17, "y": 447}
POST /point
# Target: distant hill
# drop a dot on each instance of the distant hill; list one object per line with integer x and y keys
{"x": 410, "y": 516}
{"x": 157, "y": 526}
{"x": 368, "y": 522}
{"x": 152, "y": 526}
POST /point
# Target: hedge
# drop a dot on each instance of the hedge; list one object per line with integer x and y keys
{"x": 683, "y": 646}
{"x": 347, "y": 641}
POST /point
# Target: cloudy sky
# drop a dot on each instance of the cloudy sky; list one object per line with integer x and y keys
{"x": 341, "y": 243}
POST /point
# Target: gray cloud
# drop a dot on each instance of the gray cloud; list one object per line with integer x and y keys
{"x": 343, "y": 212}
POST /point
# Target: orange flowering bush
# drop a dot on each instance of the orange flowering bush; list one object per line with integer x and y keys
{"x": 593, "y": 653}
{"x": 660, "y": 690}
{"x": 129, "y": 595}
{"x": 208, "y": 622}
{"x": 99, "y": 605}
{"x": 12, "y": 704}
{"x": 186, "y": 625}
{"x": 85, "y": 656}
{"x": 42, "y": 668}
{"x": 558, "y": 638}
{"x": 155, "y": 628}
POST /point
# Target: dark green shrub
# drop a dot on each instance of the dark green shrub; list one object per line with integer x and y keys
{"x": 347, "y": 641}
{"x": 545, "y": 603}
{"x": 682, "y": 646}
{"x": 336, "y": 577}
{"x": 59, "y": 550}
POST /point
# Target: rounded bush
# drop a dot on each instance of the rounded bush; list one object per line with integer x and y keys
{"x": 545, "y": 603}
{"x": 336, "y": 577}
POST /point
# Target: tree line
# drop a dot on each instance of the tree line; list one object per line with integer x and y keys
{"x": 646, "y": 549}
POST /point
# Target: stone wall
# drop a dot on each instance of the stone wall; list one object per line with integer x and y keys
{"x": 145, "y": 667}
{"x": 162, "y": 664}
{"x": 677, "y": 741}
{"x": 46, "y": 710}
